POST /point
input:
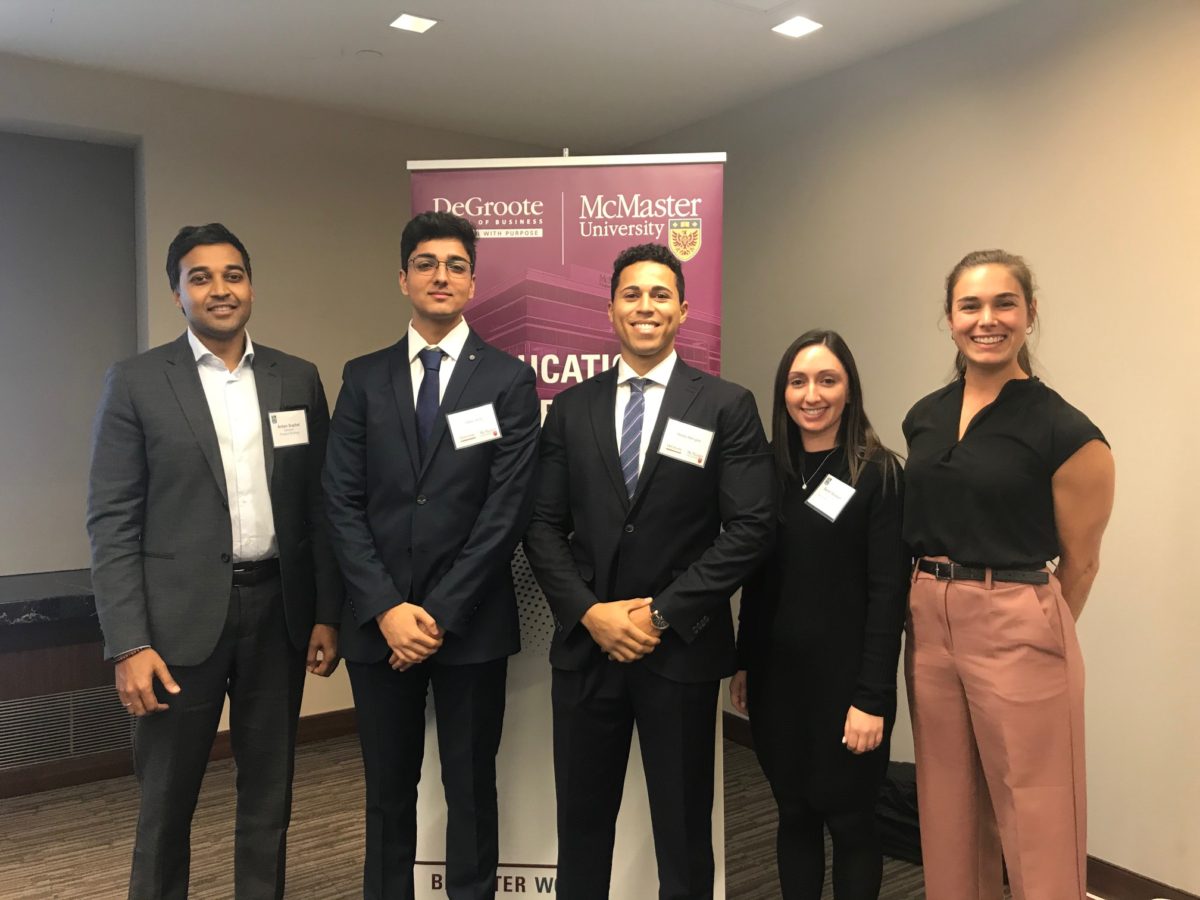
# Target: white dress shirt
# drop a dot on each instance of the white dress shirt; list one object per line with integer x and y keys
{"x": 233, "y": 402}
{"x": 656, "y": 386}
{"x": 451, "y": 346}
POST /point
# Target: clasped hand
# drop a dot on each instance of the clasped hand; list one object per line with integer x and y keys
{"x": 622, "y": 628}
{"x": 411, "y": 633}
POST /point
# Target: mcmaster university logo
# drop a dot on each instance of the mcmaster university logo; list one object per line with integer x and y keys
{"x": 684, "y": 238}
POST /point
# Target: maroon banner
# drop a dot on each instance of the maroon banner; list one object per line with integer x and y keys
{"x": 550, "y": 230}
{"x": 548, "y": 240}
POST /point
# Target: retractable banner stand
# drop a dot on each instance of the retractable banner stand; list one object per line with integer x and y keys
{"x": 550, "y": 230}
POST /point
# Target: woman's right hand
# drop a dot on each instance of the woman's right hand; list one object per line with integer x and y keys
{"x": 737, "y": 692}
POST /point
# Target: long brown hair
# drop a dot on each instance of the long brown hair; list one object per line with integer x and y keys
{"x": 1019, "y": 269}
{"x": 855, "y": 433}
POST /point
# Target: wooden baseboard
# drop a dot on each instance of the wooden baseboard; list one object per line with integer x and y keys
{"x": 65, "y": 773}
{"x": 1111, "y": 882}
{"x": 319, "y": 727}
{"x": 116, "y": 763}
{"x": 1105, "y": 880}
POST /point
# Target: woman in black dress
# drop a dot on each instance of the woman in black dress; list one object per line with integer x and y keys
{"x": 1003, "y": 475}
{"x": 819, "y": 634}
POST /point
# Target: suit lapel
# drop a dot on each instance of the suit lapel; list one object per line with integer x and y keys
{"x": 269, "y": 386}
{"x": 185, "y": 382}
{"x": 604, "y": 428}
{"x": 401, "y": 374}
{"x": 681, "y": 391}
{"x": 464, "y": 367}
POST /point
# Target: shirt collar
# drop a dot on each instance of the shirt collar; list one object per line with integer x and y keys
{"x": 451, "y": 345}
{"x": 660, "y": 374}
{"x": 201, "y": 353}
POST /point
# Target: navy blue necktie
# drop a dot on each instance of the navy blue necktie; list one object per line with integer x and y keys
{"x": 427, "y": 396}
{"x": 631, "y": 432}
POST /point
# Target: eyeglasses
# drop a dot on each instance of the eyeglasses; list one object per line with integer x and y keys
{"x": 427, "y": 264}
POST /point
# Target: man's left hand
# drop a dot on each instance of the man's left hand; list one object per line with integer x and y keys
{"x": 323, "y": 650}
{"x": 641, "y": 618}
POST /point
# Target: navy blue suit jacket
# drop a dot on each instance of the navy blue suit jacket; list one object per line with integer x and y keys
{"x": 439, "y": 534}
{"x": 688, "y": 537}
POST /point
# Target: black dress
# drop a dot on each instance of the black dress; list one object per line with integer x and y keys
{"x": 820, "y": 631}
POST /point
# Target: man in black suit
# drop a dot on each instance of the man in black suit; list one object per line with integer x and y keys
{"x": 429, "y": 480}
{"x": 211, "y": 564}
{"x": 654, "y": 502}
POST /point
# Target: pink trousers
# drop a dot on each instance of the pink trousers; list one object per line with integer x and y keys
{"x": 995, "y": 688}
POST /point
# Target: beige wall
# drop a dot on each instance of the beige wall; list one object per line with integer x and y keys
{"x": 1067, "y": 131}
{"x": 318, "y": 197}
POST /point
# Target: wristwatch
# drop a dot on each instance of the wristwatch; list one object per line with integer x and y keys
{"x": 657, "y": 620}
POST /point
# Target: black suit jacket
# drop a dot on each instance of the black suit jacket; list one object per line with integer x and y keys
{"x": 158, "y": 514}
{"x": 688, "y": 537}
{"x": 439, "y": 534}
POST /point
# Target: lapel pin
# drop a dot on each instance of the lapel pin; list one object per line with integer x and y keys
{"x": 472, "y": 356}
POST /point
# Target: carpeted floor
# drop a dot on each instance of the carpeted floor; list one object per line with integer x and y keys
{"x": 75, "y": 843}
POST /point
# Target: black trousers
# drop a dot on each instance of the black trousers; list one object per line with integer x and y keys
{"x": 256, "y": 665}
{"x": 469, "y": 710}
{"x": 595, "y": 710}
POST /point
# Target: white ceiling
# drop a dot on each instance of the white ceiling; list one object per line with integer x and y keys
{"x": 593, "y": 75}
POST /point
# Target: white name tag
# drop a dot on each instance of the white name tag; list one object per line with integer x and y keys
{"x": 830, "y": 497}
{"x": 469, "y": 427}
{"x": 686, "y": 443}
{"x": 289, "y": 428}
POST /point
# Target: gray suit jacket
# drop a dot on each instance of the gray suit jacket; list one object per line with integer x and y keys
{"x": 158, "y": 515}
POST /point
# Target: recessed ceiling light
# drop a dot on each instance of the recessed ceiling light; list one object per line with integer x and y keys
{"x": 797, "y": 26}
{"x": 418, "y": 24}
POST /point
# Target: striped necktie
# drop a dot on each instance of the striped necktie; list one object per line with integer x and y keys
{"x": 631, "y": 432}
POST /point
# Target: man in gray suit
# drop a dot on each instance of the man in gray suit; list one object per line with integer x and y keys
{"x": 211, "y": 563}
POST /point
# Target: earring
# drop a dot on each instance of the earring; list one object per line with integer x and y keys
{"x": 1029, "y": 330}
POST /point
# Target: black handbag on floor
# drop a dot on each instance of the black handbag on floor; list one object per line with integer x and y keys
{"x": 896, "y": 813}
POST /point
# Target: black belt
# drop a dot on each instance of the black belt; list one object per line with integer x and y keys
{"x": 948, "y": 571}
{"x": 246, "y": 574}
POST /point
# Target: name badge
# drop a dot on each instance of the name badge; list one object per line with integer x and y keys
{"x": 686, "y": 443}
{"x": 469, "y": 427}
{"x": 830, "y": 497}
{"x": 289, "y": 428}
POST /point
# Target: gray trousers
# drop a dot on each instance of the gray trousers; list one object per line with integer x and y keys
{"x": 256, "y": 664}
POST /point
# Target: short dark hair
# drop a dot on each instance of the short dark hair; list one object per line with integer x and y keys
{"x": 430, "y": 226}
{"x": 191, "y": 236}
{"x": 646, "y": 253}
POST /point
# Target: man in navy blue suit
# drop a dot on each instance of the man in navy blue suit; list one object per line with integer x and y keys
{"x": 654, "y": 502}
{"x": 429, "y": 479}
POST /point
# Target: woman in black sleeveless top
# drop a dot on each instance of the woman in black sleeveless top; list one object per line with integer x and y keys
{"x": 820, "y": 626}
{"x": 1003, "y": 475}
